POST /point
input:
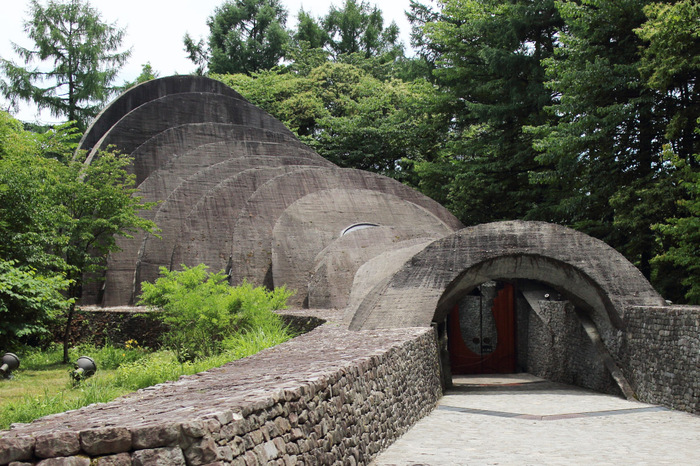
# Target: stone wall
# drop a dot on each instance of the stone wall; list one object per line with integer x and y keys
{"x": 117, "y": 325}
{"x": 330, "y": 396}
{"x": 553, "y": 345}
{"x": 662, "y": 351}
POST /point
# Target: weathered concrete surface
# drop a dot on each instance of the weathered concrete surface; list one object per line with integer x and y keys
{"x": 335, "y": 266}
{"x": 377, "y": 271}
{"x": 206, "y": 166}
{"x": 145, "y": 92}
{"x": 196, "y": 204}
{"x": 173, "y": 143}
{"x": 318, "y": 219}
{"x": 590, "y": 273}
{"x": 170, "y": 111}
{"x": 206, "y": 231}
{"x": 252, "y": 243}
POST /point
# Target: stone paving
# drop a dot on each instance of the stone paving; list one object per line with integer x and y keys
{"x": 520, "y": 419}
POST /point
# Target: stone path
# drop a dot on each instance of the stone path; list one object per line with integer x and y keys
{"x": 523, "y": 420}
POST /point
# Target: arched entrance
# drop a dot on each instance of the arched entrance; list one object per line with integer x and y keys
{"x": 597, "y": 285}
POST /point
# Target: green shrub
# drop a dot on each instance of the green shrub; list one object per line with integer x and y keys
{"x": 201, "y": 310}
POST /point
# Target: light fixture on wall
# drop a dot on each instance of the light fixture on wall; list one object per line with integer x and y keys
{"x": 10, "y": 362}
{"x": 84, "y": 368}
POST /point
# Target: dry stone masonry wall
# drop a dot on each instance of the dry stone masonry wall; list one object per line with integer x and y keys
{"x": 328, "y": 397}
{"x": 663, "y": 352}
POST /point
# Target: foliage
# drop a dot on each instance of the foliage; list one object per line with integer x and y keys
{"x": 128, "y": 368}
{"x": 244, "y": 36}
{"x": 622, "y": 93}
{"x": 71, "y": 35}
{"x": 28, "y": 303}
{"x": 349, "y": 116}
{"x": 201, "y": 310}
{"x": 486, "y": 59}
{"x": 57, "y": 215}
{"x": 358, "y": 28}
{"x": 670, "y": 64}
{"x": 120, "y": 371}
{"x": 147, "y": 74}
{"x": 683, "y": 230}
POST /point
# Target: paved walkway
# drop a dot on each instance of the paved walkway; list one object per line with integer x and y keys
{"x": 523, "y": 420}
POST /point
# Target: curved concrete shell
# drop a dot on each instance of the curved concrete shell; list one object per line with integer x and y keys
{"x": 145, "y": 92}
{"x": 334, "y": 269}
{"x": 237, "y": 190}
{"x": 153, "y": 117}
{"x": 315, "y": 221}
{"x": 252, "y": 240}
{"x": 587, "y": 271}
{"x": 175, "y": 142}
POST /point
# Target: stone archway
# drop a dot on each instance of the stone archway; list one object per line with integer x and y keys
{"x": 589, "y": 272}
{"x": 599, "y": 282}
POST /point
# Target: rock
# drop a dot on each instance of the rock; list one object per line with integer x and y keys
{"x": 15, "y": 448}
{"x": 171, "y": 456}
{"x": 97, "y": 442}
{"x": 57, "y": 444}
{"x": 154, "y": 436}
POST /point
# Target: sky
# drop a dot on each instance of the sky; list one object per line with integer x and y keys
{"x": 154, "y": 32}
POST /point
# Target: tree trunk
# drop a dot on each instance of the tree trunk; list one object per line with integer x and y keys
{"x": 66, "y": 332}
{"x": 74, "y": 291}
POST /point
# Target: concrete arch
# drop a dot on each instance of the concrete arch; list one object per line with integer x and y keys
{"x": 166, "y": 146}
{"x": 145, "y": 92}
{"x": 158, "y": 115}
{"x": 584, "y": 268}
{"x": 252, "y": 238}
{"x": 316, "y": 220}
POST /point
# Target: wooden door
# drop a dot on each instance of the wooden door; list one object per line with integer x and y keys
{"x": 484, "y": 357}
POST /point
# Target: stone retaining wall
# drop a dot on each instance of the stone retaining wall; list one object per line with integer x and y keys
{"x": 117, "y": 325}
{"x": 330, "y": 396}
{"x": 663, "y": 355}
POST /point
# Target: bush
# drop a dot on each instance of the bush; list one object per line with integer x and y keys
{"x": 201, "y": 311}
{"x": 29, "y": 302}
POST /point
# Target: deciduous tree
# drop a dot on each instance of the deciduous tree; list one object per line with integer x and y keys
{"x": 58, "y": 217}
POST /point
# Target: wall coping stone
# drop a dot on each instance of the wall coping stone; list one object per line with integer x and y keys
{"x": 197, "y": 406}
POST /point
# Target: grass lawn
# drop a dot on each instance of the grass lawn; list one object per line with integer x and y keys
{"x": 42, "y": 385}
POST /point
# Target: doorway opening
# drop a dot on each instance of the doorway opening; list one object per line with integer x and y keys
{"x": 482, "y": 331}
{"x": 509, "y": 326}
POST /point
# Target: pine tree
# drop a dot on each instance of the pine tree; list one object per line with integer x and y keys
{"x": 487, "y": 57}
{"x": 71, "y": 35}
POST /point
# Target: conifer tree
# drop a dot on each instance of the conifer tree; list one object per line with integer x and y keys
{"x": 82, "y": 50}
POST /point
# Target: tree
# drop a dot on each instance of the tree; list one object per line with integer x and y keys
{"x": 29, "y": 303}
{"x": 244, "y": 36}
{"x": 359, "y": 28}
{"x": 58, "y": 217}
{"x": 147, "y": 74}
{"x": 486, "y": 57}
{"x": 606, "y": 144}
{"x": 349, "y": 116}
{"x": 683, "y": 230}
{"x": 99, "y": 202}
{"x": 670, "y": 64}
{"x": 82, "y": 49}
